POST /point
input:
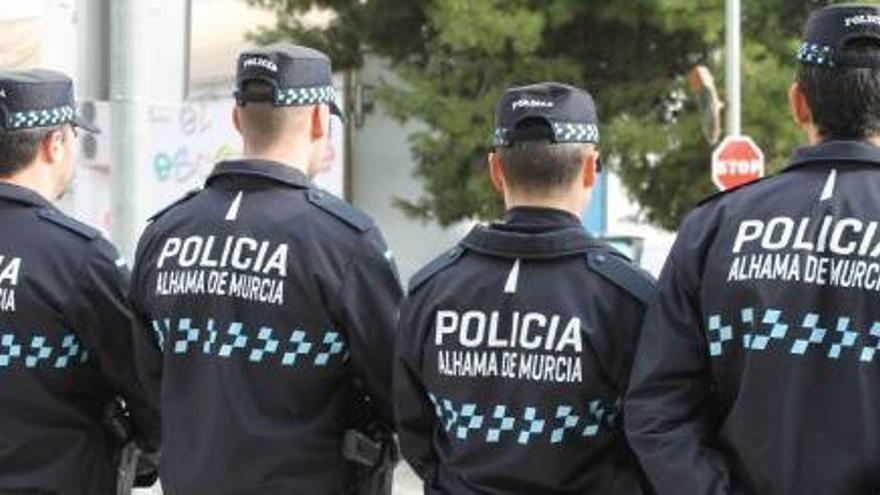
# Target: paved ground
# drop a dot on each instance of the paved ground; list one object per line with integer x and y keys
{"x": 406, "y": 483}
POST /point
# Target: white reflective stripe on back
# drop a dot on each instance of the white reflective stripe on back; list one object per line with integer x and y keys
{"x": 512, "y": 279}
{"x": 828, "y": 190}
{"x": 232, "y": 214}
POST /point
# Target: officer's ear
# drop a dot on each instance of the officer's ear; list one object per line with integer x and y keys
{"x": 52, "y": 147}
{"x": 320, "y": 121}
{"x": 591, "y": 166}
{"x": 236, "y": 118}
{"x": 496, "y": 172}
{"x": 800, "y": 108}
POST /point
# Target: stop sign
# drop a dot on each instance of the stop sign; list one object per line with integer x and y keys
{"x": 736, "y": 161}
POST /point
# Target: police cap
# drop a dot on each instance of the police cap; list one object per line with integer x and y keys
{"x": 38, "y": 98}
{"x": 564, "y": 114}
{"x": 830, "y": 29}
{"x": 299, "y": 76}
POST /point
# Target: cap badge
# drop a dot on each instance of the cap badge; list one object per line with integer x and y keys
{"x": 531, "y": 103}
{"x": 261, "y": 62}
{"x": 862, "y": 19}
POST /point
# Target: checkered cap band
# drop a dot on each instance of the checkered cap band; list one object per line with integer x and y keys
{"x": 815, "y": 54}
{"x": 572, "y": 132}
{"x": 40, "y": 118}
{"x": 563, "y": 132}
{"x": 305, "y": 96}
{"x": 499, "y": 137}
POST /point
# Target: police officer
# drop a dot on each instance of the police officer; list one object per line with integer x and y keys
{"x": 514, "y": 347}
{"x": 65, "y": 331}
{"x": 757, "y": 370}
{"x": 269, "y": 303}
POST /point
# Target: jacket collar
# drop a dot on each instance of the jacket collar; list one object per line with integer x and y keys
{"x": 23, "y": 195}
{"x": 533, "y": 217}
{"x": 836, "y": 151}
{"x": 542, "y": 245}
{"x": 266, "y": 169}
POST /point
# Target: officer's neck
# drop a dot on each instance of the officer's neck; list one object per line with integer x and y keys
{"x": 37, "y": 179}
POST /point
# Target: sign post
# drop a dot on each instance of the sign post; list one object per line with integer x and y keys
{"x": 733, "y": 15}
{"x": 736, "y": 161}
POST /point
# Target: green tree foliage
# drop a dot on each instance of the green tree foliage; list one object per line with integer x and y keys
{"x": 456, "y": 56}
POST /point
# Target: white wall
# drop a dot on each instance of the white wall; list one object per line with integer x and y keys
{"x": 38, "y": 33}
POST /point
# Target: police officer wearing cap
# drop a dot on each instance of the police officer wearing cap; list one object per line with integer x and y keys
{"x": 757, "y": 370}
{"x": 268, "y": 304}
{"x": 66, "y": 352}
{"x": 514, "y": 347}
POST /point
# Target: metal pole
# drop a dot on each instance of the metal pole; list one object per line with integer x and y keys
{"x": 734, "y": 84}
{"x": 93, "y": 50}
{"x": 128, "y": 89}
{"x": 187, "y": 48}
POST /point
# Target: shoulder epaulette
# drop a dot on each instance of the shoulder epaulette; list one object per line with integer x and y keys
{"x": 439, "y": 264}
{"x": 60, "y": 219}
{"x": 339, "y": 209}
{"x": 185, "y": 197}
{"x": 623, "y": 274}
{"x": 721, "y": 194}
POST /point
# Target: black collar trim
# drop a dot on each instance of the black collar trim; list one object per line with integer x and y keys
{"x": 513, "y": 245}
{"x": 23, "y": 195}
{"x": 836, "y": 151}
{"x": 276, "y": 171}
{"x": 539, "y": 215}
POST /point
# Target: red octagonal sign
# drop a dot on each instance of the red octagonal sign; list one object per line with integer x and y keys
{"x": 736, "y": 161}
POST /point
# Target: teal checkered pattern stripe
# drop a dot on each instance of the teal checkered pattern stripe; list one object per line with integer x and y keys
{"x": 524, "y": 425}
{"x": 797, "y": 335}
{"x": 40, "y": 118}
{"x": 258, "y": 344}
{"x": 815, "y": 54}
{"x": 305, "y": 96}
{"x": 54, "y": 351}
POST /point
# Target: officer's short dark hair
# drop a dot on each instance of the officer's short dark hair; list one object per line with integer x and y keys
{"x": 845, "y": 101}
{"x": 542, "y": 166}
{"x": 19, "y": 148}
{"x": 263, "y": 124}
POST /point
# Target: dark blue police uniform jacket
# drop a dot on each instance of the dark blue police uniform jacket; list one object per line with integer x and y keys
{"x": 758, "y": 371}
{"x": 265, "y": 301}
{"x": 514, "y": 350}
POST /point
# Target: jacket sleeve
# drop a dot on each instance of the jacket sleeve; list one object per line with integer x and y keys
{"x": 370, "y": 298}
{"x": 106, "y": 324}
{"x": 147, "y": 340}
{"x": 670, "y": 420}
{"x": 416, "y": 419}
